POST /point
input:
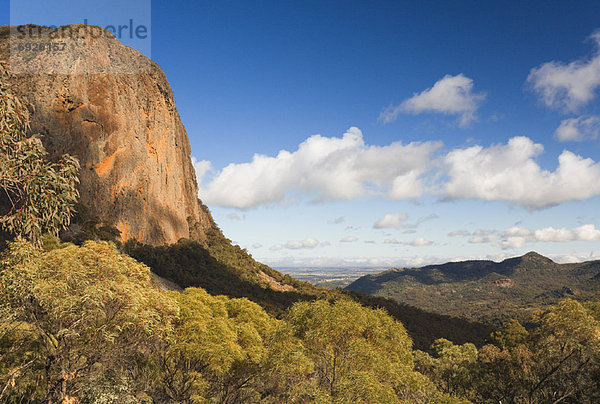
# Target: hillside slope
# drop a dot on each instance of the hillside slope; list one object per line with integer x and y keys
{"x": 485, "y": 290}
{"x": 222, "y": 268}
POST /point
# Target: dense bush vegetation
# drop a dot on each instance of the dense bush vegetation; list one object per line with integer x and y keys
{"x": 80, "y": 321}
{"x": 557, "y": 361}
{"x": 87, "y": 324}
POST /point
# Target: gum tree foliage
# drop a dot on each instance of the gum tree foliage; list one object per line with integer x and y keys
{"x": 36, "y": 196}
{"x": 228, "y": 351}
{"x": 451, "y": 367}
{"x": 359, "y": 355}
{"x": 231, "y": 351}
{"x": 79, "y": 322}
{"x": 566, "y": 347}
{"x": 557, "y": 361}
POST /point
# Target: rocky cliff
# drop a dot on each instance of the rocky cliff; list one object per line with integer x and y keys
{"x": 113, "y": 108}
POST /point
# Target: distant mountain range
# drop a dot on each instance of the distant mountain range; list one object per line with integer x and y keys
{"x": 486, "y": 291}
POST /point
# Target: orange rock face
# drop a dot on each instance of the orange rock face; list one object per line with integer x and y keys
{"x": 136, "y": 172}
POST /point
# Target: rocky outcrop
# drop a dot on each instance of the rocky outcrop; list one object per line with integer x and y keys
{"x": 503, "y": 283}
{"x": 113, "y": 108}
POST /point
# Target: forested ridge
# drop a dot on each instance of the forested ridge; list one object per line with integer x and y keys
{"x": 487, "y": 291}
{"x": 222, "y": 268}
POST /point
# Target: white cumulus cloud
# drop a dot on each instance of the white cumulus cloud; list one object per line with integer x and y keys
{"x": 323, "y": 169}
{"x": 201, "y": 167}
{"x": 309, "y": 243}
{"x": 347, "y": 169}
{"x": 391, "y": 221}
{"x": 451, "y": 95}
{"x": 568, "y": 86}
{"x": 349, "y": 239}
{"x": 517, "y": 231}
{"x": 578, "y": 129}
{"x": 586, "y": 232}
{"x": 420, "y": 242}
{"x": 517, "y": 237}
{"x": 510, "y": 173}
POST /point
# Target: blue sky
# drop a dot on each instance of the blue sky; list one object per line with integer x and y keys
{"x": 415, "y": 103}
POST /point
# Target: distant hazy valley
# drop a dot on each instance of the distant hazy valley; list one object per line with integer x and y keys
{"x": 329, "y": 277}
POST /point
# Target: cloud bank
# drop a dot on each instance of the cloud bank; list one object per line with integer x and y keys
{"x": 517, "y": 237}
{"x": 328, "y": 169}
{"x": 323, "y": 169}
{"x": 510, "y": 173}
{"x": 384, "y": 263}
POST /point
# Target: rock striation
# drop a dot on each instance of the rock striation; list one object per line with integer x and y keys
{"x": 113, "y": 108}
